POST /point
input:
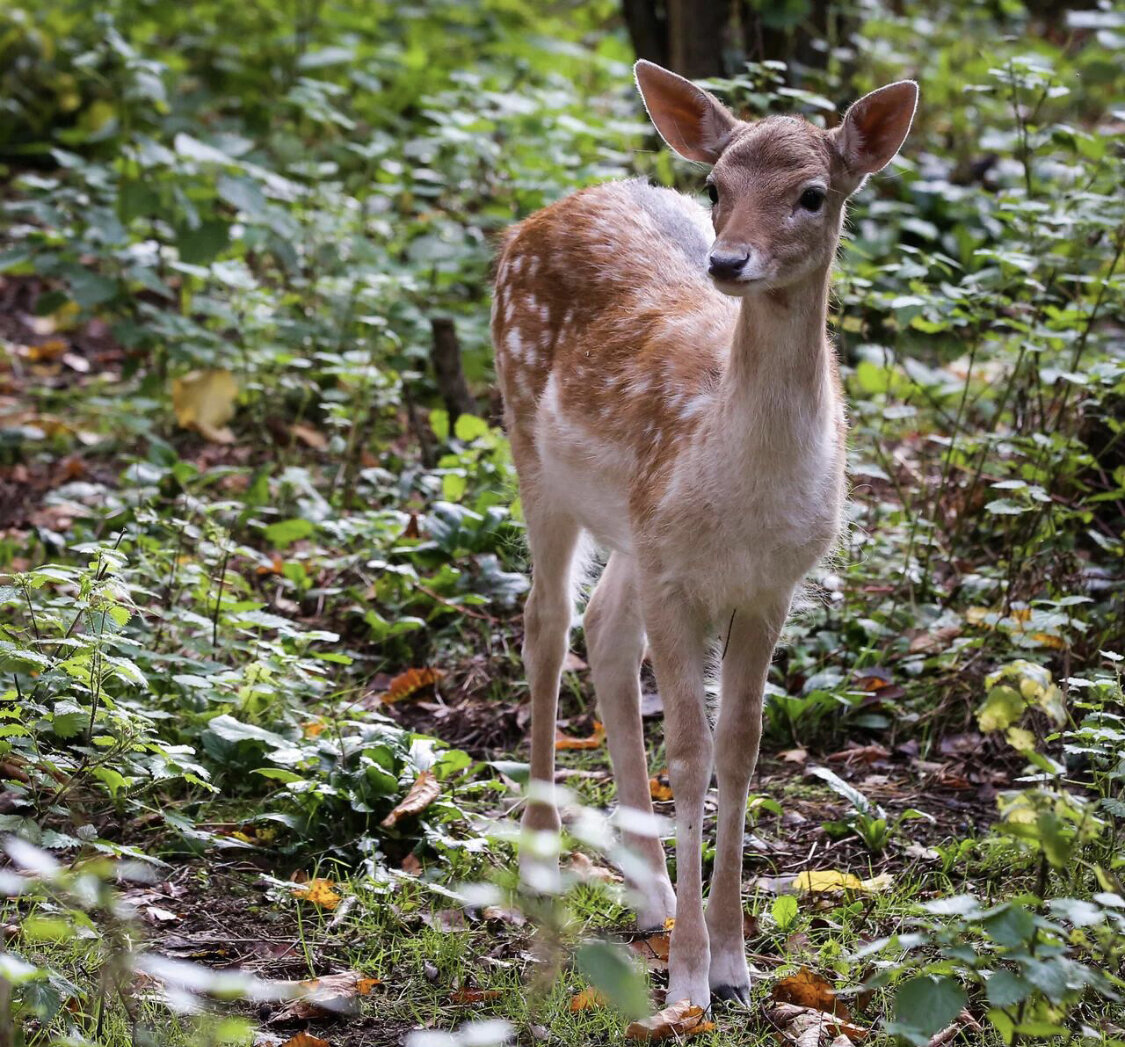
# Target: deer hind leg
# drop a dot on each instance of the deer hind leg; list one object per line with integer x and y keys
{"x": 677, "y": 634}
{"x": 553, "y": 537}
{"x": 737, "y": 736}
{"x": 615, "y": 642}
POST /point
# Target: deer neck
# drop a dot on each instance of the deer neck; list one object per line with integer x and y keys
{"x": 779, "y": 386}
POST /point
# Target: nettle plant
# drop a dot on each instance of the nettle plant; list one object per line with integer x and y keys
{"x": 1046, "y": 962}
{"x": 75, "y": 712}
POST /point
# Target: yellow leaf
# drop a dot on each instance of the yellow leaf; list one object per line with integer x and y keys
{"x": 320, "y": 892}
{"x": 659, "y": 789}
{"x": 204, "y": 401}
{"x": 51, "y": 349}
{"x": 831, "y": 880}
{"x": 1048, "y": 640}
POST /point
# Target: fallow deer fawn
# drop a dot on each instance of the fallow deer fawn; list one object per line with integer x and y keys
{"x": 670, "y": 389}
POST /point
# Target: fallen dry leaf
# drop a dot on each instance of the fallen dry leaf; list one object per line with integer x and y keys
{"x": 364, "y": 986}
{"x": 423, "y": 792}
{"x": 155, "y": 914}
{"x": 582, "y": 866}
{"x": 653, "y": 949}
{"x": 809, "y": 1027}
{"x": 587, "y": 1000}
{"x": 797, "y": 756}
{"x": 808, "y": 989}
{"x": 334, "y": 994}
{"x": 467, "y": 996}
{"x": 659, "y": 787}
{"x": 305, "y": 1039}
{"x": 965, "y": 1021}
{"x": 204, "y": 401}
{"x": 595, "y": 741}
{"x": 680, "y": 1019}
{"x": 308, "y": 435}
{"x": 860, "y": 754}
{"x": 409, "y": 683}
{"x": 499, "y": 914}
{"x": 51, "y": 349}
{"x": 411, "y": 865}
{"x": 320, "y": 891}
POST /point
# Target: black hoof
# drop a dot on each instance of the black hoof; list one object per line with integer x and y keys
{"x": 733, "y": 993}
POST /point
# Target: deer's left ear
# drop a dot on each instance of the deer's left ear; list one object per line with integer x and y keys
{"x": 876, "y": 126}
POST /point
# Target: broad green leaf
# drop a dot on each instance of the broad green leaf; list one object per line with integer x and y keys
{"x": 927, "y": 1004}
{"x": 609, "y": 968}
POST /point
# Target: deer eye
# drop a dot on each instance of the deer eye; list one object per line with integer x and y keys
{"x": 812, "y": 199}
{"x": 712, "y": 193}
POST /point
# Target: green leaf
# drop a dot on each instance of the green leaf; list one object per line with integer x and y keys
{"x": 608, "y": 967}
{"x": 1048, "y": 976}
{"x": 518, "y": 772}
{"x": 1003, "y": 1022}
{"x": 927, "y": 1004}
{"x": 243, "y": 194}
{"x": 1006, "y": 507}
{"x": 286, "y": 532}
{"x": 279, "y": 774}
{"x": 1010, "y": 926}
{"x": 849, "y": 792}
{"x": 1002, "y": 708}
{"x": 231, "y": 730}
{"x": 205, "y": 243}
{"x": 439, "y": 422}
{"x": 89, "y": 289}
{"x": 469, "y": 427}
{"x": 453, "y": 486}
{"x": 193, "y": 149}
{"x": 1005, "y": 989}
{"x": 784, "y": 911}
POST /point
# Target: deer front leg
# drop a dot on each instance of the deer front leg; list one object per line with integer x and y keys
{"x": 676, "y": 636}
{"x": 738, "y": 733}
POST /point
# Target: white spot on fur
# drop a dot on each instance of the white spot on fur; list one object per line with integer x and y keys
{"x": 697, "y": 405}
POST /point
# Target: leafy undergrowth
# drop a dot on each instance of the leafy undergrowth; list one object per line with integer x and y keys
{"x": 260, "y": 694}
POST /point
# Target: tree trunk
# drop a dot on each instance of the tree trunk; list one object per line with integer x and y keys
{"x": 648, "y": 29}
{"x": 686, "y": 36}
{"x": 445, "y": 355}
{"x": 696, "y": 35}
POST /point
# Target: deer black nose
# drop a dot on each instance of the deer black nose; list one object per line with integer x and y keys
{"x": 727, "y": 266}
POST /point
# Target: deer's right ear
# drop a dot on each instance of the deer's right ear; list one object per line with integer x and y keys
{"x": 692, "y": 121}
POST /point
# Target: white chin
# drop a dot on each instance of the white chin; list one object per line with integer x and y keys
{"x": 740, "y": 288}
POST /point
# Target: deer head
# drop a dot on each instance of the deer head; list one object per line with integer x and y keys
{"x": 778, "y": 185}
